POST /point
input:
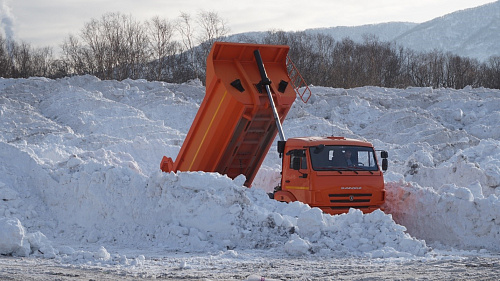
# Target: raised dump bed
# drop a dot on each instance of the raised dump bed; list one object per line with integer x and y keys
{"x": 234, "y": 127}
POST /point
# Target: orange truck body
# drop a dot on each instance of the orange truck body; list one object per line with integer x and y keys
{"x": 235, "y": 127}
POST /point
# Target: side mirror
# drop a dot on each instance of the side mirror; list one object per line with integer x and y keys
{"x": 384, "y": 154}
{"x": 281, "y": 146}
{"x": 385, "y": 164}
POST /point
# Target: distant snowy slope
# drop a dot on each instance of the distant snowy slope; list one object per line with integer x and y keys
{"x": 473, "y": 33}
{"x": 383, "y": 31}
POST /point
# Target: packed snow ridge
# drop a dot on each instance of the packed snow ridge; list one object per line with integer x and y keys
{"x": 79, "y": 174}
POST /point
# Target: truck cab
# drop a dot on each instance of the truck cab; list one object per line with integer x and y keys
{"x": 331, "y": 173}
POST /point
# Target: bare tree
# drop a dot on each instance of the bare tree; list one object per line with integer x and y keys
{"x": 461, "y": 72}
{"x": 135, "y": 52}
{"x": 93, "y": 52}
{"x": 345, "y": 70}
{"x": 491, "y": 72}
{"x": 73, "y": 56}
{"x": 5, "y": 59}
{"x": 212, "y": 28}
{"x": 42, "y": 62}
{"x": 21, "y": 57}
{"x": 276, "y": 37}
{"x": 184, "y": 26}
{"x": 162, "y": 45}
{"x": 113, "y": 47}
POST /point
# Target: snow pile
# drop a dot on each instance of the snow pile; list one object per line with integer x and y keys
{"x": 451, "y": 215}
{"x": 14, "y": 240}
{"x": 79, "y": 174}
{"x": 11, "y": 237}
{"x": 200, "y": 212}
{"x": 213, "y": 212}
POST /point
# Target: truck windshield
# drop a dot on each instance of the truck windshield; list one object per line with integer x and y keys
{"x": 343, "y": 158}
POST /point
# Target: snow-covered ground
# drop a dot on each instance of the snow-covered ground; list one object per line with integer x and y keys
{"x": 80, "y": 183}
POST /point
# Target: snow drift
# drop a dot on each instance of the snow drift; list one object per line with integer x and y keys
{"x": 79, "y": 174}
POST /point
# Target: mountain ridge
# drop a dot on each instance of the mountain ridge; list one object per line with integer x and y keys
{"x": 472, "y": 32}
{"x": 464, "y": 32}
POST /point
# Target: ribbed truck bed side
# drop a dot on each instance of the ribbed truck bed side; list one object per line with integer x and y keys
{"x": 234, "y": 127}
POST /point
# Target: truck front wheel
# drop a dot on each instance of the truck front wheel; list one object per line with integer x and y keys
{"x": 284, "y": 196}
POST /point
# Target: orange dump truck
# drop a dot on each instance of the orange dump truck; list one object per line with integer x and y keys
{"x": 248, "y": 95}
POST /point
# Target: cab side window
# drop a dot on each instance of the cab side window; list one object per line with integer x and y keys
{"x": 300, "y": 157}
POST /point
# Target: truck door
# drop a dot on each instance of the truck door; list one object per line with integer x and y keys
{"x": 296, "y": 174}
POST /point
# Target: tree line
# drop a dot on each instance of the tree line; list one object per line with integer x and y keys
{"x": 118, "y": 47}
{"x": 346, "y": 64}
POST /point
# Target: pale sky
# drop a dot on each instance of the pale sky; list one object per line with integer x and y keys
{"x": 49, "y": 22}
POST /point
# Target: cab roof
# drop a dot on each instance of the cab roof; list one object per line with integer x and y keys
{"x": 312, "y": 141}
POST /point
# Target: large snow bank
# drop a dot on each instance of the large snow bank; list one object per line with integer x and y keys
{"x": 79, "y": 166}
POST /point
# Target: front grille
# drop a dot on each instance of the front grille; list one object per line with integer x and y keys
{"x": 347, "y": 208}
{"x": 350, "y": 198}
